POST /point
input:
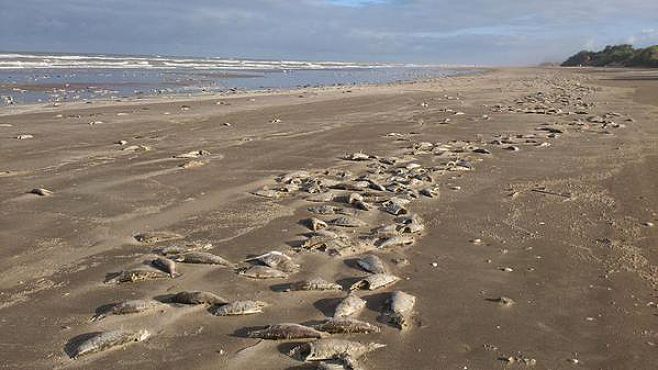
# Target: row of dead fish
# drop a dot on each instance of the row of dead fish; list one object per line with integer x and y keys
{"x": 568, "y": 99}
{"x": 336, "y": 228}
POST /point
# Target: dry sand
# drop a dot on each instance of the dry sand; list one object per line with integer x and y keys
{"x": 572, "y": 221}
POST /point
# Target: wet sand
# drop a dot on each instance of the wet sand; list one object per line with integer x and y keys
{"x": 563, "y": 230}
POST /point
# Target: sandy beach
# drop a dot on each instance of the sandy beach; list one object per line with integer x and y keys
{"x": 516, "y": 205}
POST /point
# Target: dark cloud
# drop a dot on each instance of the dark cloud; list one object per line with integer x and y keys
{"x": 421, "y": 31}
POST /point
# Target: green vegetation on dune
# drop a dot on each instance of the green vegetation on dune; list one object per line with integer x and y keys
{"x": 616, "y": 56}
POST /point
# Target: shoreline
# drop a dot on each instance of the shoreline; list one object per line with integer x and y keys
{"x": 150, "y": 98}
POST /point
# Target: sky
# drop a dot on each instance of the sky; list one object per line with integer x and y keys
{"x": 481, "y": 32}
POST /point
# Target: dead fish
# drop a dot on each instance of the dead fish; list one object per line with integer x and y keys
{"x": 24, "y": 136}
{"x": 316, "y": 284}
{"x": 135, "y": 148}
{"x": 481, "y": 151}
{"x": 315, "y": 224}
{"x": 551, "y": 130}
{"x": 333, "y": 365}
{"x": 412, "y": 228}
{"x": 294, "y": 176}
{"x": 204, "y": 258}
{"x": 345, "y": 363}
{"x": 157, "y": 237}
{"x": 376, "y": 186}
{"x": 396, "y": 241}
{"x": 362, "y": 205}
{"x": 198, "y": 297}
{"x": 375, "y": 281}
{"x": 263, "y": 272}
{"x": 41, "y": 192}
{"x": 326, "y": 210}
{"x": 347, "y": 326}
{"x": 503, "y": 301}
{"x": 332, "y": 348}
{"x": 166, "y": 265}
{"x": 268, "y": 193}
{"x": 385, "y": 230}
{"x": 354, "y": 197}
{"x": 171, "y": 250}
{"x": 411, "y": 225}
{"x": 322, "y": 197}
{"x": 389, "y": 160}
{"x": 351, "y": 186}
{"x": 352, "y": 305}
{"x": 351, "y": 248}
{"x": 430, "y": 192}
{"x": 108, "y": 340}
{"x": 276, "y": 260}
{"x": 130, "y": 276}
{"x": 193, "y": 164}
{"x": 193, "y": 154}
{"x": 129, "y": 307}
{"x": 463, "y": 164}
{"x": 394, "y": 208}
{"x": 357, "y": 157}
{"x": 326, "y": 240}
{"x": 287, "y": 331}
{"x": 373, "y": 264}
{"x": 346, "y": 221}
{"x": 239, "y": 308}
{"x": 527, "y": 361}
{"x": 399, "y": 309}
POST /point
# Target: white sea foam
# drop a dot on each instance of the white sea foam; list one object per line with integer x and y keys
{"x": 34, "y": 61}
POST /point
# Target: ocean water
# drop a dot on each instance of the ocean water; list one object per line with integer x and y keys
{"x": 32, "y": 78}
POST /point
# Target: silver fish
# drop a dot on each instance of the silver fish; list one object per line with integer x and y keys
{"x": 347, "y": 326}
{"x": 326, "y": 210}
{"x": 198, "y": 297}
{"x": 130, "y": 276}
{"x": 314, "y": 284}
{"x": 42, "y": 192}
{"x": 202, "y": 258}
{"x": 107, "y": 340}
{"x": 166, "y": 265}
{"x": 373, "y": 264}
{"x": 352, "y": 305}
{"x": 331, "y": 348}
{"x": 239, "y": 308}
{"x": 129, "y": 307}
{"x": 287, "y": 331}
{"x": 346, "y": 221}
{"x": 263, "y": 272}
{"x": 276, "y": 260}
{"x": 399, "y": 309}
{"x": 375, "y": 281}
{"x": 315, "y": 224}
{"x": 396, "y": 241}
{"x": 394, "y": 208}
